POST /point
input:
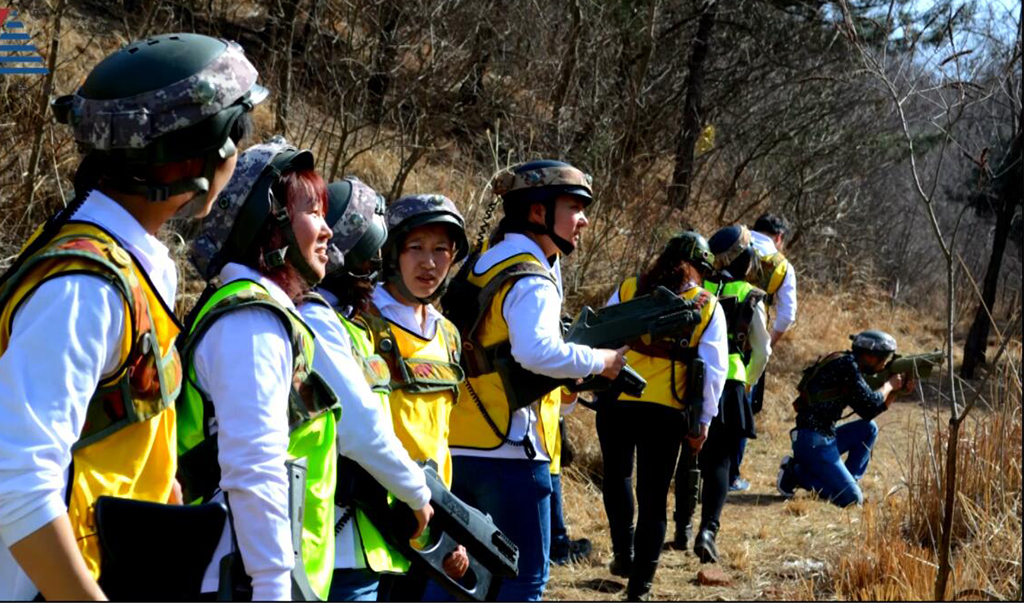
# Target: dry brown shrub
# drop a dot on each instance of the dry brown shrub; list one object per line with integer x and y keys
{"x": 896, "y": 558}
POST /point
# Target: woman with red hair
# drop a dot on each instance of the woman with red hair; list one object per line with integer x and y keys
{"x": 256, "y": 423}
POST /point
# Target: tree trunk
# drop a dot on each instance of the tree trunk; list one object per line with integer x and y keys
{"x": 1010, "y": 194}
{"x": 383, "y": 60}
{"x": 43, "y": 115}
{"x": 568, "y": 68}
{"x": 682, "y": 174}
{"x": 289, "y": 11}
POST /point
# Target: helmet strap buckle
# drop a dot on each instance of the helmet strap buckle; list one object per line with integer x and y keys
{"x": 276, "y": 258}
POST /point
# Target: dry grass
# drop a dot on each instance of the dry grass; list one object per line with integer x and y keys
{"x": 805, "y": 548}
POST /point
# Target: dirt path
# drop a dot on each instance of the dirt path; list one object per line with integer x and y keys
{"x": 771, "y": 548}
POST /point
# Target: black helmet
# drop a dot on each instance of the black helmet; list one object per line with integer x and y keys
{"x": 161, "y": 100}
{"x": 874, "y": 341}
{"x": 733, "y": 251}
{"x": 543, "y": 182}
{"x": 691, "y": 247}
{"x": 355, "y": 214}
{"x": 413, "y": 211}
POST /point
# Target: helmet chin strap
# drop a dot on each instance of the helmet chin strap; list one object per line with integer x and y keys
{"x": 564, "y": 246}
{"x": 396, "y": 280}
{"x": 289, "y": 253}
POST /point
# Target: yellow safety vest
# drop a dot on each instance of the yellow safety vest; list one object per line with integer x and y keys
{"x": 379, "y": 555}
{"x": 657, "y": 368}
{"x": 469, "y": 426}
{"x": 768, "y": 273}
{"x": 127, "y": 445}
{"x": 425, "y": 374}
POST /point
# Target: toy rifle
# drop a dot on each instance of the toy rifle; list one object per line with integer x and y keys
{"x": 693, "y": 404}
{"x": 913, "y": 366}
{"x": 236, "y": 585}
{"x": 492, "y": 555}
{"x": 647, "y": 318}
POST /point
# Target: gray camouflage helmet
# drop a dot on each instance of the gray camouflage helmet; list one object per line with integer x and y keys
{"x": 160, "y": 100}
{"x": 411, "y": 212}
{"x": 355, "y": 215}
{"x": 874, "y": 341}
{"x": 245, "y": 204}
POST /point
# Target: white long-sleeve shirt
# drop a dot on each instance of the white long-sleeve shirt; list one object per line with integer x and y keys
{"x": 365, "y": 432}
{"x": 533, "y": 310}
{"x": 785, "y": 297}
{"x": 244, "y": 365}
{"x": 760, "y": 345}
{"x": 713, "y": 349}
{"x": 69, "y": 328}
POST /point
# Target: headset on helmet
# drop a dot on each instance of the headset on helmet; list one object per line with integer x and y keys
{"x": 543, "y": 182}
{"x": 355, "y": 215}
{"x": 874, "y": 341}
{"x": 161, "y": 100}
{"x": 690, "y": 246}
{"x": 414, "y": 211}
{"x": 230, "y": 232}
{"x": 733, "y": 251}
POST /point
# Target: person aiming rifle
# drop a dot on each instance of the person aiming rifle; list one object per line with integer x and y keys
{"x": 86, "y": 330}
{"x": 674, "y": 403}
{"x": 827, "y": 388}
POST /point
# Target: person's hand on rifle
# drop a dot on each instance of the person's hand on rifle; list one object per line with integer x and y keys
{"x": 614, "y": 360}
{"x": 456, "y": 563}
{"x": 175, "y": 497}
{"x": 422, "y": 519}
{"x": 696, "y": 442}
{"x": 896, "y": 384}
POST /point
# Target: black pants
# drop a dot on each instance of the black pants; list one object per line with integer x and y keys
{"x": 714, "y": 460}
{"x": 654, "y": 432}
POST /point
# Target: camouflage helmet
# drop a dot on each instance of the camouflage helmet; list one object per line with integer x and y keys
{"x": 543, "y": 181}
{"x": 229, "y": 232}
{"x": 413, "y": 211}
{"x": 874, "y": 341}
{"x": 539, "y": 181}
{"x": 355, "y": 214}
{"x": 732, "y": 249}
{"x": 160, "y": 100}
{"x": 690, "y": 246}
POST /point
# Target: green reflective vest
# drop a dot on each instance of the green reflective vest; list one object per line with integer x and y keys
{"x": 380, "y": 557}
{"x": 737, "y": 305}
{"x": 312, "y": 414}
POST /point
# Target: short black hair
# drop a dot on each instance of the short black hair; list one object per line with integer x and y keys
{"x": 771, "y": 224}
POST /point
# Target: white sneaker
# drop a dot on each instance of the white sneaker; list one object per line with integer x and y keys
{"x": 787, "y": 490}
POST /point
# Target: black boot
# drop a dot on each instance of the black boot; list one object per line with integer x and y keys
{"x": 621, "y": 565}
{"x": 640, "y": 581}
{"x": 704, "y": 545}
{"x": 683, "y": 536}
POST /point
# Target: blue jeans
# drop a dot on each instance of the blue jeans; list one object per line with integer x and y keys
{"x": 819, "y": 465}
{"x": 559, "y": 533}
{"x": 517, "y": 495}
{"x": 737, "y": 460}
{"x": 354, "y": 585}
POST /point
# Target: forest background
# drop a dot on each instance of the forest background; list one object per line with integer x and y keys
{"x": 888, "y": 132}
